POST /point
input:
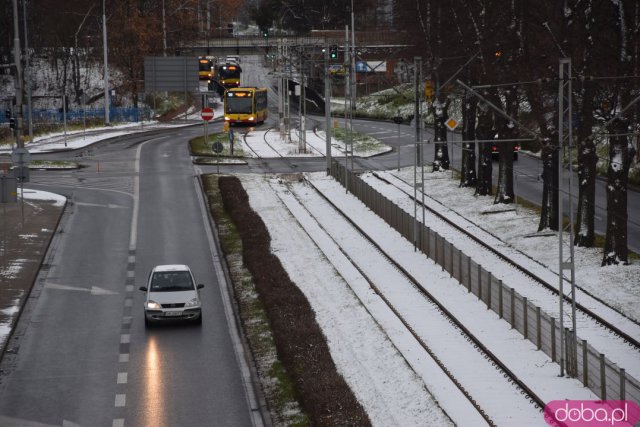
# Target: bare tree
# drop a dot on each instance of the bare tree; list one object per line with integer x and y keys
{"x": 484, "y": 132}
{"x": 621, "y": 151}
{"x": 468, "y": 177}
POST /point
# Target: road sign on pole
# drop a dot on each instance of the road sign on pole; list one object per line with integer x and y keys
{"x": 206, "y": 113}
{"x": 452, "y": 124}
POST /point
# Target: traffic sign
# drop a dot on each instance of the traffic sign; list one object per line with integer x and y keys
{"x": 397, "y": 119}
{"x": 21, "y": 156}
{"x": 206, "y": 113}
{"x": 452, "y": 124}
{"x": 217, "y": 147}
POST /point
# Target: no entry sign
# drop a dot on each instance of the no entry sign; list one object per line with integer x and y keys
{"x": 206, "y": 114}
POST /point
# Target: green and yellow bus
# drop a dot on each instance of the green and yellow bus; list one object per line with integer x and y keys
{"x": 245, "y": 105}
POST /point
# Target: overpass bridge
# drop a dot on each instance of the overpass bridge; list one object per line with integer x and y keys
{"x": 256, "y": 45}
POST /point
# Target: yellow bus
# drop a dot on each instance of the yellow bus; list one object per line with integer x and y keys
{"x": 205, "y": 68}
{"x": 229, "y": 75}
{"x": 245, "y": 105}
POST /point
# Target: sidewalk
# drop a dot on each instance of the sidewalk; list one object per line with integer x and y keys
{"x": 26, "y": 230}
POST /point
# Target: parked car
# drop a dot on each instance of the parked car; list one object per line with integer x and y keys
{"x": 171, "y": 294}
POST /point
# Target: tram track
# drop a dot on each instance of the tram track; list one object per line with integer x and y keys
{"x": 480, "y": 240}
{"x": 457, "y": 329}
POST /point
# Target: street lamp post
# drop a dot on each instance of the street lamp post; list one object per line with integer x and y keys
{"x": 106, "y": 66}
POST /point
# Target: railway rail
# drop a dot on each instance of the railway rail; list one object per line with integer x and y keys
{"x": 457, "y": 328}
{"x": 613, "y": 329}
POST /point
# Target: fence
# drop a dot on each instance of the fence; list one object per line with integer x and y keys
{"x": 54, "y": 115}
{"x": 592, "y": 368}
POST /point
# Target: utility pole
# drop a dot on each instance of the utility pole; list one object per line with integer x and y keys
{"x": 27, "y": 76}
{"x": 353, "y": 63}
{"x": 417, "y": 74}
{"x": 280, "y": 71}
{"x": 303, "y": 97}
{"x": 301, "y": 141}
{"x": 347, "y": 95}
{"x": 18, "y": 80}
{"x": 106, "y": 66}
{"x": 164, "y": 31}
{"x": 327, "y": 107}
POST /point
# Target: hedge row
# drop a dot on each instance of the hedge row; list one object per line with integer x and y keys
{"x": 300, "y": 343}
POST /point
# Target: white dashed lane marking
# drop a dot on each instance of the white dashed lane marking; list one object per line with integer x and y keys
{"x": 122, "y": 378}
{"x": 121, "y": 400}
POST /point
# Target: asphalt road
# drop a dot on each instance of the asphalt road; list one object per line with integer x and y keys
{"x": 83, "y": 354}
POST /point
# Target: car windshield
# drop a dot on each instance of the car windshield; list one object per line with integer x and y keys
{"x": 171, "y": 281}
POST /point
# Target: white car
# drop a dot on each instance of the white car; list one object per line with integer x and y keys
{"x": 234, "y": 59}
{"x": 171, "y": 294}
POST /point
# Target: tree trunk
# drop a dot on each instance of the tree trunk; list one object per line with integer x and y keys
{"x": 484, "y": 131}
{"x": 544, "y": 106}
{"x": 587, "y": 173}
{"x": 621, "y": 152}
{"x": 468, "y": 176}
{"x": 441, "y": 156}
{"x": 549, "y": 209}
{"x": 506, "y": 131}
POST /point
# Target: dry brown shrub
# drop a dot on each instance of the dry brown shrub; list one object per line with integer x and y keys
{"x": 301, "y": 345}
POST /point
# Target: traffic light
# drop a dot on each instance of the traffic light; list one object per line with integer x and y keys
{"x": 7, "y": 114}
{"x": 428, "y": 90}
{"x": 12, "y": 123}
{"x": 333, "y": 51}
{"x": 265, "y": 33}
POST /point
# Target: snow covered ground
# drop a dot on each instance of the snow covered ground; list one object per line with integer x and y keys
{"x": 316, "y": 267}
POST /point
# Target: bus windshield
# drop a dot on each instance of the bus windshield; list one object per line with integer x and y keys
{"x": 205, "y": 65}
{"x": 229, "y": 71}
{"x": 235, "y": 104}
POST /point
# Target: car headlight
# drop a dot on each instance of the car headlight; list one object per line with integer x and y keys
{"x": 193, "y": 303}
{"x": 152, "y": 305}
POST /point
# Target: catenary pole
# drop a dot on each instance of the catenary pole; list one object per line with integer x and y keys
{"x": 18, "y": 79}
{"x": 106, "y": 63}
{"x": 327, "y": 107}
{"x": 27, "y": 70}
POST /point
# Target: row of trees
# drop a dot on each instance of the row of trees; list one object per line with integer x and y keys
{"x": 69, "y": 34}
{"x": 516, "y": 47}
{"x": 512, "y": 49}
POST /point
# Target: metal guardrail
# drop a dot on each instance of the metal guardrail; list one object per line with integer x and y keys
{"x": 589, "y": 366}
